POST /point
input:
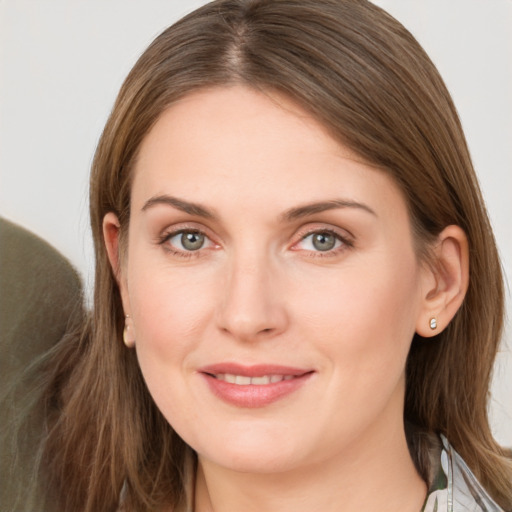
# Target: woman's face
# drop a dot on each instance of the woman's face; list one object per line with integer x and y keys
{"x": 272, "y": 283}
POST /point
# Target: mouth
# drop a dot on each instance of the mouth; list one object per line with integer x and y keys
{"x": 253, "y": 386}
{"x": 243, "y": 380}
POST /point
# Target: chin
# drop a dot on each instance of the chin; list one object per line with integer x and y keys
{"x": 253, "y": 454}
{"x": 256, "y": 463}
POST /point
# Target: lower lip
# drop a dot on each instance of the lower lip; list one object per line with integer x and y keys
{"x": 253, "y": 396}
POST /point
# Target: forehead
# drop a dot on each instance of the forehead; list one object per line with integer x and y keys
{"x": 234, "y": 141}
{"x": 238, "y": 118}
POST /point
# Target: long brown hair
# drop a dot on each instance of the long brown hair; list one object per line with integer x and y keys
{"x": 367, "y": 80}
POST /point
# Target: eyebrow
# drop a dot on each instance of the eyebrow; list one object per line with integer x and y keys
{"x": 179, "y": 204}
{"x": 312, "y": 208}
{"x": 290, "y": 215}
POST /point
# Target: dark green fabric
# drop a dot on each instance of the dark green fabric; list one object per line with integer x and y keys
{"x": 39, "y": 292}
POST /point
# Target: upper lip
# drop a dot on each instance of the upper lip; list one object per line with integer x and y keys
{"x": 256, "y": 370}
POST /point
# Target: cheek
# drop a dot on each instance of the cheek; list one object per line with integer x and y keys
{"x": 364, "y": 315}
{"x": 170, "y": 311}
{"x": 363, "y": 322}
{"x": 170, "y": 315}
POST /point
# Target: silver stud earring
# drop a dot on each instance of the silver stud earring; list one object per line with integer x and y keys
{"x": 433, "y": 323}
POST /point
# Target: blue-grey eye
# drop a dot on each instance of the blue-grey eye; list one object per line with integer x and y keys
{"x": 188, "y": 241}
{"x": 323, "y": 241}
{"x": 320, "y": 241}
{"x": 192, "y": 240}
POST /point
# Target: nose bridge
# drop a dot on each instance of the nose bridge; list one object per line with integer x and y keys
{"x": 251, "y": 304}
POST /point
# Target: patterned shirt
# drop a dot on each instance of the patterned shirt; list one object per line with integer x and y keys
{"x": 454, "y": 488}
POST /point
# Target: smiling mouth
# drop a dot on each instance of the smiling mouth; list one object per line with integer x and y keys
{"x": 253, "y": 386}
{"x": 243, "y": 380}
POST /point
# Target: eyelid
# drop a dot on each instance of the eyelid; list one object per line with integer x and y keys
{"x": 179, "y": 227}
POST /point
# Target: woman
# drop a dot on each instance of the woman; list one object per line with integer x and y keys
{"x": 291, "y": 242}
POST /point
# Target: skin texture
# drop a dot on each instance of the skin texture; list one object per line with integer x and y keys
{"x": 259, "y": 291}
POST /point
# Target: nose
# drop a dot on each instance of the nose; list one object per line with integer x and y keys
{"x": 253, "y": 301}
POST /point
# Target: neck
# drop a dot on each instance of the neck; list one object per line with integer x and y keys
{"x": 374, "y": 473}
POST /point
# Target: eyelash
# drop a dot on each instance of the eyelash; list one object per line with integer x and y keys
{"x": 345, "y": 243}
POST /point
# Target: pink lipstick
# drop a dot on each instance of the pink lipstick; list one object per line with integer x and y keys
{"x": 253, "y": 386}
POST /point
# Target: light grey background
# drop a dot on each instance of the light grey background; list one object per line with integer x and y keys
{"x": 63, "y": 61}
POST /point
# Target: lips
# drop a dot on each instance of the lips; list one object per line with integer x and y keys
{"x": 253, "y": 386}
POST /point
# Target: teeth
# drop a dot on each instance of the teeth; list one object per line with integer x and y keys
{"x": 261, "y": 380}
{"x": 242, "y": 380}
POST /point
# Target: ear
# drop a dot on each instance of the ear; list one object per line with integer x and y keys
{"x": 111, "y": 233}
{"x": 445, "y": 282}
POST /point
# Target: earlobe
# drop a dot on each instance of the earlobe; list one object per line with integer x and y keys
{"x": 445, "y": 282}
{"x": 111, "y": 231}
{"x": 128, "y": 332}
